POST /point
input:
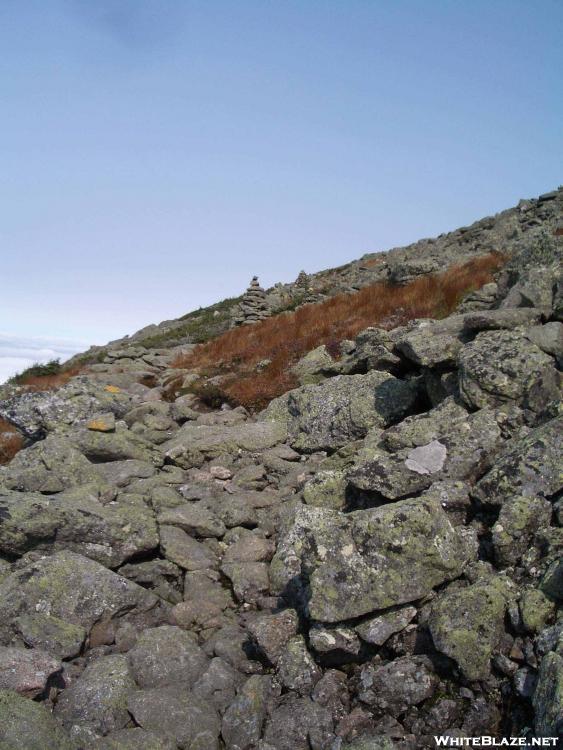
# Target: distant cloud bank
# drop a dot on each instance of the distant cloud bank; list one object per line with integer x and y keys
{"x": 17, "y": 353}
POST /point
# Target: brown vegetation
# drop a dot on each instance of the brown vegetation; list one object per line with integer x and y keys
{"x": 285, "y": 338}
{"x": 10, "y": 441}
{"x": 47, "y": 382}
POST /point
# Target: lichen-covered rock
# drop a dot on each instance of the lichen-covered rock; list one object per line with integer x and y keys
{"x": 166, "y": 655}
{"x": 527, "y": 466}
{"x": 500, "y": 366}
{"x": 190, "y": 721}
{"x": 26, "y": 670}
{"x": 340, "y": 642}
{"x": 467, "y": 624}
{"x": 35, "y": 414}
{"x": 250, "y": 579}
{"x": 316, "y": 366}
{"x": 552, "y": 581}
{"x": 120, "y": 445}
{"x": 519, "y": 519}
{"x": 535, "y": 609}
{"x": 296, "y": 668}
{"x": 549, "y": 338}
{"x": 298, "y": 724}
{"x": 96, "y": 703}
{"x": 548, "y": 697}
{"x": 376, "y": 630}
{"x": 272, "y": 632}
{"x": 326, "y": 489}
{"x": 244, "y": 718}
{"x": 342, "y": 409}
{"x": 71, "y": 589}
{"x": 26, "y": 725}
{"x": 77, "y": 521}
{"x": 51, "y": 465}
{"x": 192, "y": 444}
{"x": 195, "y": 519}
{"x": 134, "y": 739}
{"x": 445, "y": 442}
{"x": 395, "y": 687}
{"x": 370, "y": 559}
{"x": 185, "y": 551}
{"x": 432, "y": 343}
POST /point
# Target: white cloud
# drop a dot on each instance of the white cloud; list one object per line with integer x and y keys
{"x": 17, "y": 353}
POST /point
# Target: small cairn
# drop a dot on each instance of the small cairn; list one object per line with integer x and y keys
{"x": 254, "y": 305}
{"x": 303, "y": 289}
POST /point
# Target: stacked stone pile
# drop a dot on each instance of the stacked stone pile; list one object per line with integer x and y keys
{"x": 254, "y": 305}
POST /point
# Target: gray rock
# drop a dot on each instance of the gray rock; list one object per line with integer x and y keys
{"x": 408, "y": 458}
{"x": 161, "y": 576}
{"x": 165, "y": 656}
{"x": 247, "y": 546}
{"x": 115, "y": 446}
{"x": 374, "y": 351}
{"x": 133, "y": 739}
{"x": 96, "y": 703}
{"x": 56, "y": 636}
{"x": 26, "y": 725}
{"x": 316, "y": 366}
{"x": 184, "y": 551}
{"x": 467, "y": 624}
{"x": 273, "y": 632}
{"x": 189, "y": 720}
{"x": 26, "y": 670}
{"x": 519, "y": 519}
{"x": 397, "y": 686}
{"x": 552, "y": 581}
{"x": 492, "y": 320}
{"x": 432, "y": 343}
{"x": 549, "y": 338}
{"x": 341, "y": 643}
{"x": 121, "y": 473}
{"x": 218, "y": 684}
{"x": 326, "y": 489}
{"x": 244, "y": 718}
{"x": 72, "y": 590}
{"x": 192, "y": 444}
{"x": 376, "y": 630}
{"x": 296, "y": 668}
{"x": 51, "y": 465}
{"x": 194, "y": 518}
{"x": 77, "y": 521}
{"x": 528, "y": 467}
{"x": 250, "y": 579}
{"x": 548, "y": 697}
{"x": 299, "y": 724}
{"x": 326, "y": 416}
{"x": 370, "y": 559}
{"x": 500, "y": 366}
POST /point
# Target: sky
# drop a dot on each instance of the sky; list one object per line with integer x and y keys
{"x": 155, "y": 154}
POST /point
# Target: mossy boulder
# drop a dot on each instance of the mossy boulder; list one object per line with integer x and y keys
{"x": 548, "y": 696}
{"x": 326, "y": 489}
{"x": 25, "y": 725}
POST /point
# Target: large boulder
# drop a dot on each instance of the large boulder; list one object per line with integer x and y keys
{"x": 446, "y": 442}
{"x": 467, "y": 624}
{"x": 96, "y": 703}
{"x": 432, "y": 343}
{"x": 68, "y": 593}
{"x": 192, "y": 444}
{"x": 36, "y": 414}
{"x": 77, "y": 521}
{"x": 501, "y": 366}
{"x": 399, "y": 685}
{"x": 26, "y": 725}
{"x": 342, "y": 409}
{"x": 528, "y": 466}
{"x": 166, "y": 655}
{"x": 370, "y": 559}
{"x": 52, "y": 465}
{"x": 26, "y": 670}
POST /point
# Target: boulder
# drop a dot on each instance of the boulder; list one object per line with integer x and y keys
{"x": 244, "y": 718}
{"x": 166, "y": 655}
{"x": 298, "y": 724}
{"x": 133, "y": 739}
{"x": 26, "y": 725}
{"x": 194, "y": 518}
{"x": 519, "y": 519}
{"x": 316, "y": 366}
{"x": 376, "y": 630}
{"x": 185, "y": 551}
{"x": 26, "y": 670}
{"x": 498, "y": 367}
{"x": 115, "y": 446}
{"x": 432, "y": 343}
{"x": 528, "y": 466}
{"x": 399, "y": 685}
{"x": 96, "y": 703}
{"x": 548, "y": 696}
{"x": 296, "y": 668}
{"x": 70, "y": 590}
{"x": 359, "y": 562}
{"x": 273, "y": 632}
{"x": 342, "y": 409}
{"x": 77, "y": 521}
{"x": 467, "y": 624}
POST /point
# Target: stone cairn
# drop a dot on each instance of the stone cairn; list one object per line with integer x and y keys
{"x": 254, "y": 305}
{"x": 304, "y": 290}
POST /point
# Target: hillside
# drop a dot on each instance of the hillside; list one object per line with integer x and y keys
{"x": 337, "y": 528}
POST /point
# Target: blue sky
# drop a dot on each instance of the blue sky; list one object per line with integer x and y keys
{"x": 155, "y": 154}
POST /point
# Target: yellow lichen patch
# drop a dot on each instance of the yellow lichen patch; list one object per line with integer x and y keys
{"x": 99, "y": 425}
{"x": 112, "y": 389}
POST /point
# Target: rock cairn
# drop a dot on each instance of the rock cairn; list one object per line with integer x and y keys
{"x": 304, "y": 289}
{"x": 254, "y": 306}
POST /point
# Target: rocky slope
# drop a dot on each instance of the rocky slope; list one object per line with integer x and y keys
{"x": 373, "y": 560}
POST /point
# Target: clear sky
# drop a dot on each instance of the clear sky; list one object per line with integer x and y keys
{"x": 155, "y": 154}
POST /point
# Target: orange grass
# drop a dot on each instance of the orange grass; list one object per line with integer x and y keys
{"x": 285, "y": 338}
{"x": 48, "y": 382}
{"x": 10, "y": 441}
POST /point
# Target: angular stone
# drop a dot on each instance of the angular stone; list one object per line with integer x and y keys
{"x": 247, "y": 546}
{"x": 298, "y": 724}
{"x": 96, "y": 703}
{"x": 510, "y": 318}
{"x": 369, "y": 559}
{"x": 337, "y": 641}
{"x": 548, "y": 696}
{"x": 26, "y": 670}
{"x": 191, "y": 721}
{"x": 58, "y": 637}
{"x": 72, "y": 589}
{"x": 296, "y": 669}
{"x": 26, "y": 725}
{"x": 519, "y": 519}
{"x": 316, "y": 366}
{"x": 380, "y": 628}
{"x": 194, "y": 518}
{"x": 250, "y": 579}
{"x": 500, "y": 366}
{"x": 326, "y": 489}
{"x": 77, "y": 521}
{"x": 115, "y": 446}
{"x": 166, "y": 655}
{"x": 134, "y": 739}
{"x": 184, "y": 551}
{"x": 272, "y": 633}
{"x": 218, "y": 684}
{"x": 467, "y": 625}
{"x": 395, "y": 687}
{"x": 342, "y": 409}
{"x": 433, "y": 342}
{"x": 244, "y": 718}
{"x": 528, "y": 466}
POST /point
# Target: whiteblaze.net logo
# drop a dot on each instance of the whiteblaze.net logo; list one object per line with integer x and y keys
{"x": 487, "y": 741}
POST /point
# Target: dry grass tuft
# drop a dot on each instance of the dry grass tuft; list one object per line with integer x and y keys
{"x": 48, "y": 382}
{"x": 10, "y": 441}
{"x": 285, "y": 338}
